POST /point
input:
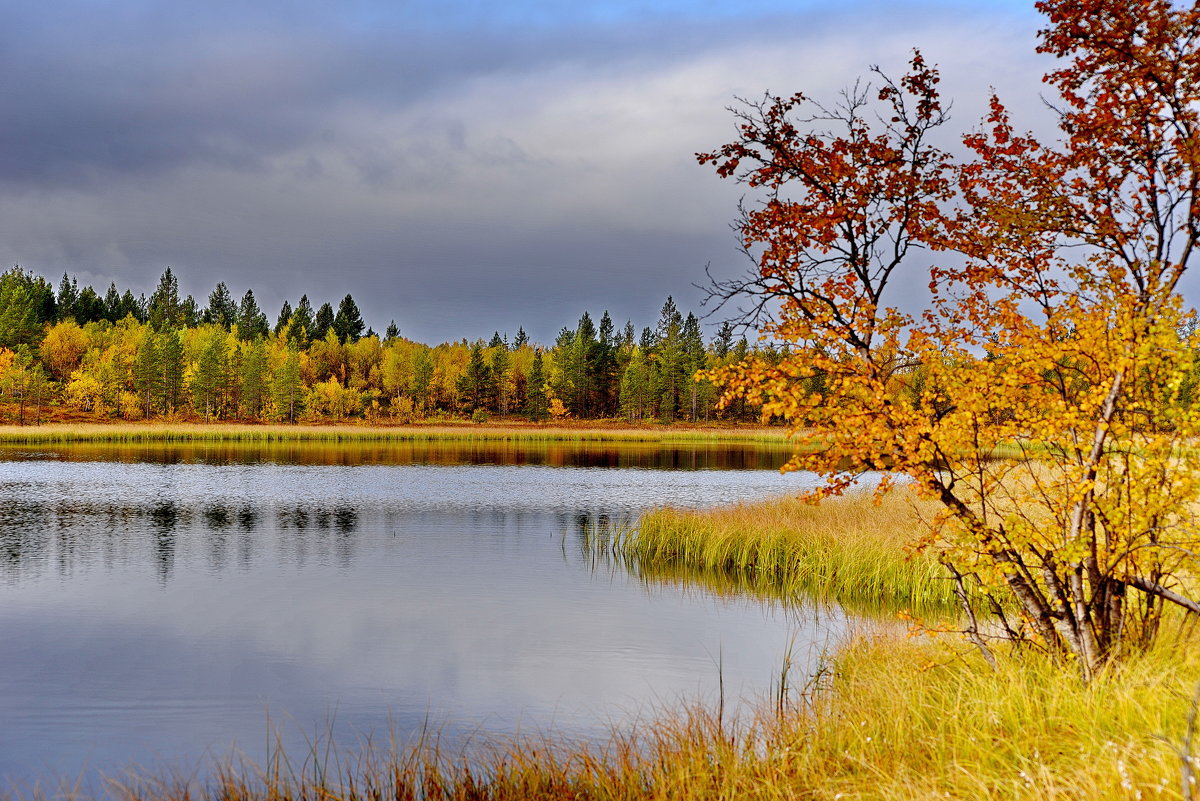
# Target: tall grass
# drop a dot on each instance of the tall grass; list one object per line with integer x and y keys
{"x": 851, "y": 550}
{"x": 515, "y": 432}
{"x": 895, "y": 719}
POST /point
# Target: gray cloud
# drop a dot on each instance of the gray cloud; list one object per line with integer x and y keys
{"x": 458, "y": 179}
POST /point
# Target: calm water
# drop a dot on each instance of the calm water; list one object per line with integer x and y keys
{"x": 164, "y": 607}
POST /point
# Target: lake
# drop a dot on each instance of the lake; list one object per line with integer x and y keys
{"x": 165, "y": 606}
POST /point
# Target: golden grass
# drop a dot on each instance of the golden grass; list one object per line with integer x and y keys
{"x": 894, "y": 719}
{"x": 850, "y": 550}
{"x": 511, "y": 432}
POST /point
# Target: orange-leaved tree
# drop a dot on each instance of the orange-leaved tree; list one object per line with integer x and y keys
{"x": 1037, "y": 394}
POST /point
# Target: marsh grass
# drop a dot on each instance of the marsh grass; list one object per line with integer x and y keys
{"x": 512, "y": 432}
{"x": 850, "y": 550}
{"x": 894, "y": 718}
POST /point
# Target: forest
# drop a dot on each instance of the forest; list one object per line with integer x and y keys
{"x": 75, "y": 355}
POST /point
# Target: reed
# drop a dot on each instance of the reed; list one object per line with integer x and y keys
{"x": 895, "y": 718}
{"x": 513, "y": 432}
{"x": 851, "y": 550}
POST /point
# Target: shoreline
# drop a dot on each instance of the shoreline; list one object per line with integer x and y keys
{"x": 352, "y": 433}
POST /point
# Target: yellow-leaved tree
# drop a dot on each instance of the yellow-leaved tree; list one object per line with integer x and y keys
{"x": 1037, "y": 396}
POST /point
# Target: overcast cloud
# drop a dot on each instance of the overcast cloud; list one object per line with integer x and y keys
{"x": 458, "y": 168}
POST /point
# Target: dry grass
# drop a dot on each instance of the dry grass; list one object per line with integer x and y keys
{"x": 851, "y": 550}
{"x": 895, "y": 719}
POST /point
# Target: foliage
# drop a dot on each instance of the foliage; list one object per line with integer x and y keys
{"x": 1054, "y": 330}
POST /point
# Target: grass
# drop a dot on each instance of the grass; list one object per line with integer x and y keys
{"x": 850, "y": 550}
{"x": 511, "y": 432}
{"x": 893, "y": 719}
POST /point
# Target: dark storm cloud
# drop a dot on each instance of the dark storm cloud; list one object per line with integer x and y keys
{"x": 94, "y": 90}
{"x": 456, "y": 167}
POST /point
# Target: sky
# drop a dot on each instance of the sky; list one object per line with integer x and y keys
{"x": 459, "y": 167}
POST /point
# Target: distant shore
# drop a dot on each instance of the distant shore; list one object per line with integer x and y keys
{"x": 589, "y": 431}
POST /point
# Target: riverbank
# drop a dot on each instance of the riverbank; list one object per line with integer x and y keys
{"x": 506, "y": 432}
{"x": 892, "y": 718}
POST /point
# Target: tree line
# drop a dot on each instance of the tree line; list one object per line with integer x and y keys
{"x": 121, "y": 356}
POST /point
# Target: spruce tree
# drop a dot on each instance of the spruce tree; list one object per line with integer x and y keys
{"x": 304, "y": 318}
{"x": 348, "y": 323}
{"x": 221, "y": 309}
{"x": 251, "y": 321}
{"x": 322, "y": 323}
{"x": 68, "y": 297}
{"x": 536, "y": 405}
{"x": 165, "y": 306}
{"x": 285, "y": 317}
{"x": 147, "y": 372}
{"x": 113, "y": 310}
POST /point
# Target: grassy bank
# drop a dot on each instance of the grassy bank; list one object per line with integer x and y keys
{"x": 850, "y": 550}
{"x": 511, "y": 432}
{"x": 894, "y": 719}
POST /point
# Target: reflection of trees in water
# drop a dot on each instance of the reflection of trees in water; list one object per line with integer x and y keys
{"x": 66, "y": 538}
{"x": 626, "y": 454}
{"x": 163, "y": 520}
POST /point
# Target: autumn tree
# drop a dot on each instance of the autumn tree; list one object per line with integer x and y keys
{"x": 1052, "y": 333}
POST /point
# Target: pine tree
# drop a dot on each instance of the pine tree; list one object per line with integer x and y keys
{"x": 208, "y": 379}
{"x": 113, "y": 310}
{"x": 521, "y": 339}
{"x": 253, "y": 378}
{"x": 22, "y": 304}
{"x": 165, "y": 306}
{"x": 476, "y": 386}
{"x": 89, "y": 308}
{"x": 303, "y": 320}
{"x": 535, "y": 392}
{"x": 723, "y": 341}
{"x": 285, "y": 317}
{"x": 221, "y": 309}
{"x": 288, "y": 388}
{"x": 392, "y": 332}
{"x": 501, "y": 361}
{"x": 693, "y": 361}
{"x": 171, "y": 362}
{"x": 322, "y": 323}
{"x": 251, "y": 322}
{"x": 147, "y": 372}
{"x": 348, "y": 323}
{"x": 68, "y": 297}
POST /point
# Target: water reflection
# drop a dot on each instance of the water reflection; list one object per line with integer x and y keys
{"x": 161, "y": 609}
{"x": 79, "y": 536}
{"x": 769, "y": 455}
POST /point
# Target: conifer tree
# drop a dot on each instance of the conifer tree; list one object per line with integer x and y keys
{"x": 221, "y": 309}
{"x": 251, "y": 321}
{"x": 322, "y": 323}
{"x": 303, "y": 318}
{"x": 285, "y": 317}
{"x": 113, "y": 309}
{"x": 535, "y": 392}
{"x": 253, "y": 378}
{"x": 68, "y": 296}
{"x": 348, "y": 323}
{"x": 147, "y": 372}
{"x": 165, "y": 308}
{"x": 288, "y": 387}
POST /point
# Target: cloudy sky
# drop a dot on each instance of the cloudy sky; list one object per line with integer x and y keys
{"x": 458, "y": 166}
